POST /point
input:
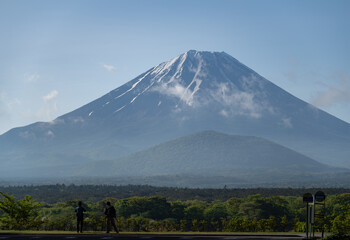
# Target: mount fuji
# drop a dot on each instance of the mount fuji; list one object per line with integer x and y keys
{"x": 193, "y": 92}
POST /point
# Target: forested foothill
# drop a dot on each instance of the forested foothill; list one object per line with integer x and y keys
{"x": 155, "y": 209}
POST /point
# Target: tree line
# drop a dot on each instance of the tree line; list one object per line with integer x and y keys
{"x": 254, "y": 213}
{"x": 93, "y": 193}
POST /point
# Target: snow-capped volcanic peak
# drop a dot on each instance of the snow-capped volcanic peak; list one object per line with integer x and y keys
{"x": 168, "y": 78}
{"x": 174, "y": 77}
{"x": 194, "y": 79}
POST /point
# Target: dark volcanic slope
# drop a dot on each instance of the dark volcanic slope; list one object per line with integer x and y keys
{"x": 210, "y": 153}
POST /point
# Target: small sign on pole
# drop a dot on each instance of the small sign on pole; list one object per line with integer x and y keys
{"x": 320, "y": 196}
{"x": 308, "y": 198}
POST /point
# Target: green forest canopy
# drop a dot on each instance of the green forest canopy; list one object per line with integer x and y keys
{"x": 145, "y": 208}
{"x": 92, "y": 193}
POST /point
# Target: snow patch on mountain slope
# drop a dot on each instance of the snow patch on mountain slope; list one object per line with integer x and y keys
{"x": 179, "y": 68}
{"x": 174, "y": 86}
{"x": 133, "y": 86}
{"x": 119, "y": 109}
{"x": 148, "y": 87}
{"x": 197, "y": 81}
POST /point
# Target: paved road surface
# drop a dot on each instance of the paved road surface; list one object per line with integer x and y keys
{"x": 147, "y": 237}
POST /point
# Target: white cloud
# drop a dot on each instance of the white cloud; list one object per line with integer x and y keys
{"x": 31, "y": 77}
{"x": 251, "y": 82}
{"x": 287, "y": 123}
{"x": 51, "y": 96}
{"x": 177, "y": 90}
{"x": 110, "y": 67}
{"x": 26, "y": 134}
{"x": 78, "y": 120}
{"x": 232, "y": 100}
{"x": 50, "y": 107}
{"x": 50, "y": 133}
{"x": 57, "y": 121}
{"x": 9, "y": 103}
{"x": 337, "y": 93}
{"x": 237, "y": 102}
{"x": 224, "y": 113}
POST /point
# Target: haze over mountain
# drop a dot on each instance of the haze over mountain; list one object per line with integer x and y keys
{"x": 224, "y": 159}
{"x": 193, "y": 92}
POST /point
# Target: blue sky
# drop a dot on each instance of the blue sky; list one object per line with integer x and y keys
{"x": 56, "y": 56}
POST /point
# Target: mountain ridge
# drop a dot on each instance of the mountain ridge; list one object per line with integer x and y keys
{"x": 192, "y": 92}
{"x": 216, "y": 156}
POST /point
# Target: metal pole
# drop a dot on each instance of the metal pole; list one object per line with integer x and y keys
{"x": 307, "y": 220}
{"x": 313, "y": 219}
{"x": 310, "y": 221}
{"x": 324, "y": 218}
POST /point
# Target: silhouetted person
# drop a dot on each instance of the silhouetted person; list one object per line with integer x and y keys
{"x": 80, "y": 216}
{"x": 110, "y": 216}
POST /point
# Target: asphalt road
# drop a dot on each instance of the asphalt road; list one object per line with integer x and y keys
{"x": 147, "y": 237}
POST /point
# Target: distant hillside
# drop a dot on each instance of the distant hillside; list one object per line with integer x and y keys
{"x": 211, "y": 154}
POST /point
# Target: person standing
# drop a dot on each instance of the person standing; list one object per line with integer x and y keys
{"x": 110, "y": 217}
{"x": 80, "y": 216}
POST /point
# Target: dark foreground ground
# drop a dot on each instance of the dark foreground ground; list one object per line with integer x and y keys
{"x": 150, "y": 236}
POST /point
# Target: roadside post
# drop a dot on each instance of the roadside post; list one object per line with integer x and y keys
{"x": 320, "y": 198}
{"x": 308, "y": 198}
{"x": 311, "y": 202}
